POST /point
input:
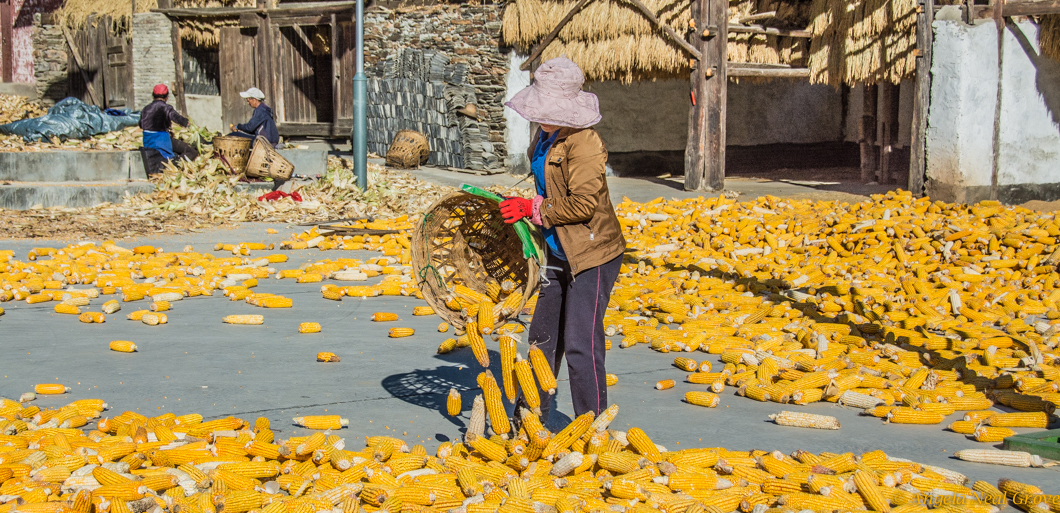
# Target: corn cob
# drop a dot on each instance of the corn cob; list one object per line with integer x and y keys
{"x": 50, "y": 389}
{"x": 151, "y": 319}
{"x": 665, "y": 384}
{"x": 478, "y": 345}
{"x": 309, "y": 327}
{"x": 542, "y": 370}
{"x": 63, "y": 308}
{"x": 1009, "y": 458}
{"x": 159, "y": 306}
{"x": 992, "y": 434}
{"x": 685, "y": 364}
{"x": 123, "y": 346}
{"x": 701, "y": 399}
{"x": 524, "y": 376}
{"x": 1038, "y": 419}
{"x": 400, "y": 332}
{"x": 443, "y": 327}
{"x": 111, "y": 306}
{"x": 612, "y": 379}
{"x": 384, "y": 316}
{"x": 508, "y": 354}
{"x": 321, "y": 422}
{"x": 244, "y": 319}
{"x": 868, "y": 489}
{"x": 328, "y": 357}
{"x": 452, "y": 403}
{"x": 642, "y": 444}
{"x": 485, "y": 317}
{"x": 910, "y": 416}
{"x": 494, "y": 408}
{"x": 422, "y": 310}
{"x": 91, "y": 317}
{"x": 796, "y": 419}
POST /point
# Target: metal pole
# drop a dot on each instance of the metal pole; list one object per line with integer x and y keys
{"x": 359, "y": 138}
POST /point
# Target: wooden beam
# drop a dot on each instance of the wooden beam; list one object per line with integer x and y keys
{"x": 206, "y": 12}
{"x": 81, "y": 65}
{"x": 5, "y": 39}
{"x": 666, "y": 29}
{"x": 178, "y": 63}
{"x": 1021, "y": 8}
{"x": 921, "y": 98}
{"x": 755, "y": 17}
{"x": 758, "y": 29}
{"x": 705, "y": 151}
{"x": 540, "y": 48}
{"x": 737, "y": 69}
{"x": 306, "y": 129}
{"x": 867, "y": 132}
{"x": 336, "y": 76}
{"x": 888, "y": 108}
{"x": 304, "y": 20}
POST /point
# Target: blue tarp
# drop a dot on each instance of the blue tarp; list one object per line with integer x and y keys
{"x": 70, "y": 119}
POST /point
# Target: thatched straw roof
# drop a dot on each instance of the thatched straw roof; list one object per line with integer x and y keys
{"x": 854, "y": 40}
{"x": 1049, "y": 36}
{"x": 76, "y": 13}
{"x": 863, "y": 41}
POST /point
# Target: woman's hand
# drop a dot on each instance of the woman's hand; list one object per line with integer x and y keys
{"x": 514, "y": 209}
{"x": 231, "y": 127}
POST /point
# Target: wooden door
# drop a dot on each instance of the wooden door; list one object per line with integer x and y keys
{"x": 117, "y": 74}
{"x": 304, "y": 74}
{"x": 92, "y": 52}
{"x": 346, "y": 57}
{"x": 236, "y": 59}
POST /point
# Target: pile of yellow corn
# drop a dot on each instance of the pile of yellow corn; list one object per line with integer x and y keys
{"x": 131, "y": 462}
{"x": 907, "y": 308}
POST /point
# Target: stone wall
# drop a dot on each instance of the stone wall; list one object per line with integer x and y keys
{"x": 50, "y": 62}
{"x": 153, "y": 61}
{"x": 466, "y": 33}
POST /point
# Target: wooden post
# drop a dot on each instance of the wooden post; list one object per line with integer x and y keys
{"x": 705, "y": 152}
{"x": 921, "y": 97}
{"x": 335, "y": 75}
{"x": 178, "y": 63}
{"x": 867, "y": 133}
{"x": 889, "y": 111}
{"x": 5, "y": 39}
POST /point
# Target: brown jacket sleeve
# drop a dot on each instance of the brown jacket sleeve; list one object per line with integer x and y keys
{"x": 586, "y": 159}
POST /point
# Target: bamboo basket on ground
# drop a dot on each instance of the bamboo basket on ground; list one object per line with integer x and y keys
{"x": 234, "y": 151}
{"x": 463, "y": 240}
{"x": 266, "y": 162}
{"x": 409, "y": 150}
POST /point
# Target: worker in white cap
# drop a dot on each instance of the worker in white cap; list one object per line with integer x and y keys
{"x": 262, "y": 123}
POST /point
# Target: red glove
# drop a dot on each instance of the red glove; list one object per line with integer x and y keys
{"x": 514, "y": 209}
{"x": 295, "y": 196}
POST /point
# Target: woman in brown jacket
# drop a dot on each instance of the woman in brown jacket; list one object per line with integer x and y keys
{"x": 583, "y": 235}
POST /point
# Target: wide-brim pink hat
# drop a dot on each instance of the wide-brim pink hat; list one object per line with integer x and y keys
{"x": 556, "y": 97}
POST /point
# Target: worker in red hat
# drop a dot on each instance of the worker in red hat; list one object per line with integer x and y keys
{"x": 155, "y": 120}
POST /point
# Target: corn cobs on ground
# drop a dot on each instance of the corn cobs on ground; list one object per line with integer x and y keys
{"x": 322, "y": 472}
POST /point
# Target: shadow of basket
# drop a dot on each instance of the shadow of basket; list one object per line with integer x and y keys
{"x": 429, "y": 388}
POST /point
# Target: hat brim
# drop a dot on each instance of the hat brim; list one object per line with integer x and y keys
{"x": 248, "y": 95}
{"x": 580, "y": 111}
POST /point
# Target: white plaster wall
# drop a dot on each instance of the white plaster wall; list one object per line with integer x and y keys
{"x": 963, "y": 99}
{"x": 653, "y": 116}
{"x": 1029, "y": 150}
{"x": 205, "y": 111}
{"x": 964, "y": 92}
{"x": 518, "y": 128}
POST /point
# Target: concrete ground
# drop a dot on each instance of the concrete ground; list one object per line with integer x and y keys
{"x": 195, "y": 363}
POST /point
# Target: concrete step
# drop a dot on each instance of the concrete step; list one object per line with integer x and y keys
{"x": 71, "y": 166}
{"x": 27, "y": 195}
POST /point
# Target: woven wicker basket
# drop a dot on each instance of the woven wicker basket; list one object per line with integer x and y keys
{"x": 234, "y": 149}
{"x": 409, "y": 150}
{"x": 463, "y": 240}
{"x": 265, "y": 161}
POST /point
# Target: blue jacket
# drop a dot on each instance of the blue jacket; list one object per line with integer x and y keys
{"x": 262, "y": 123}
